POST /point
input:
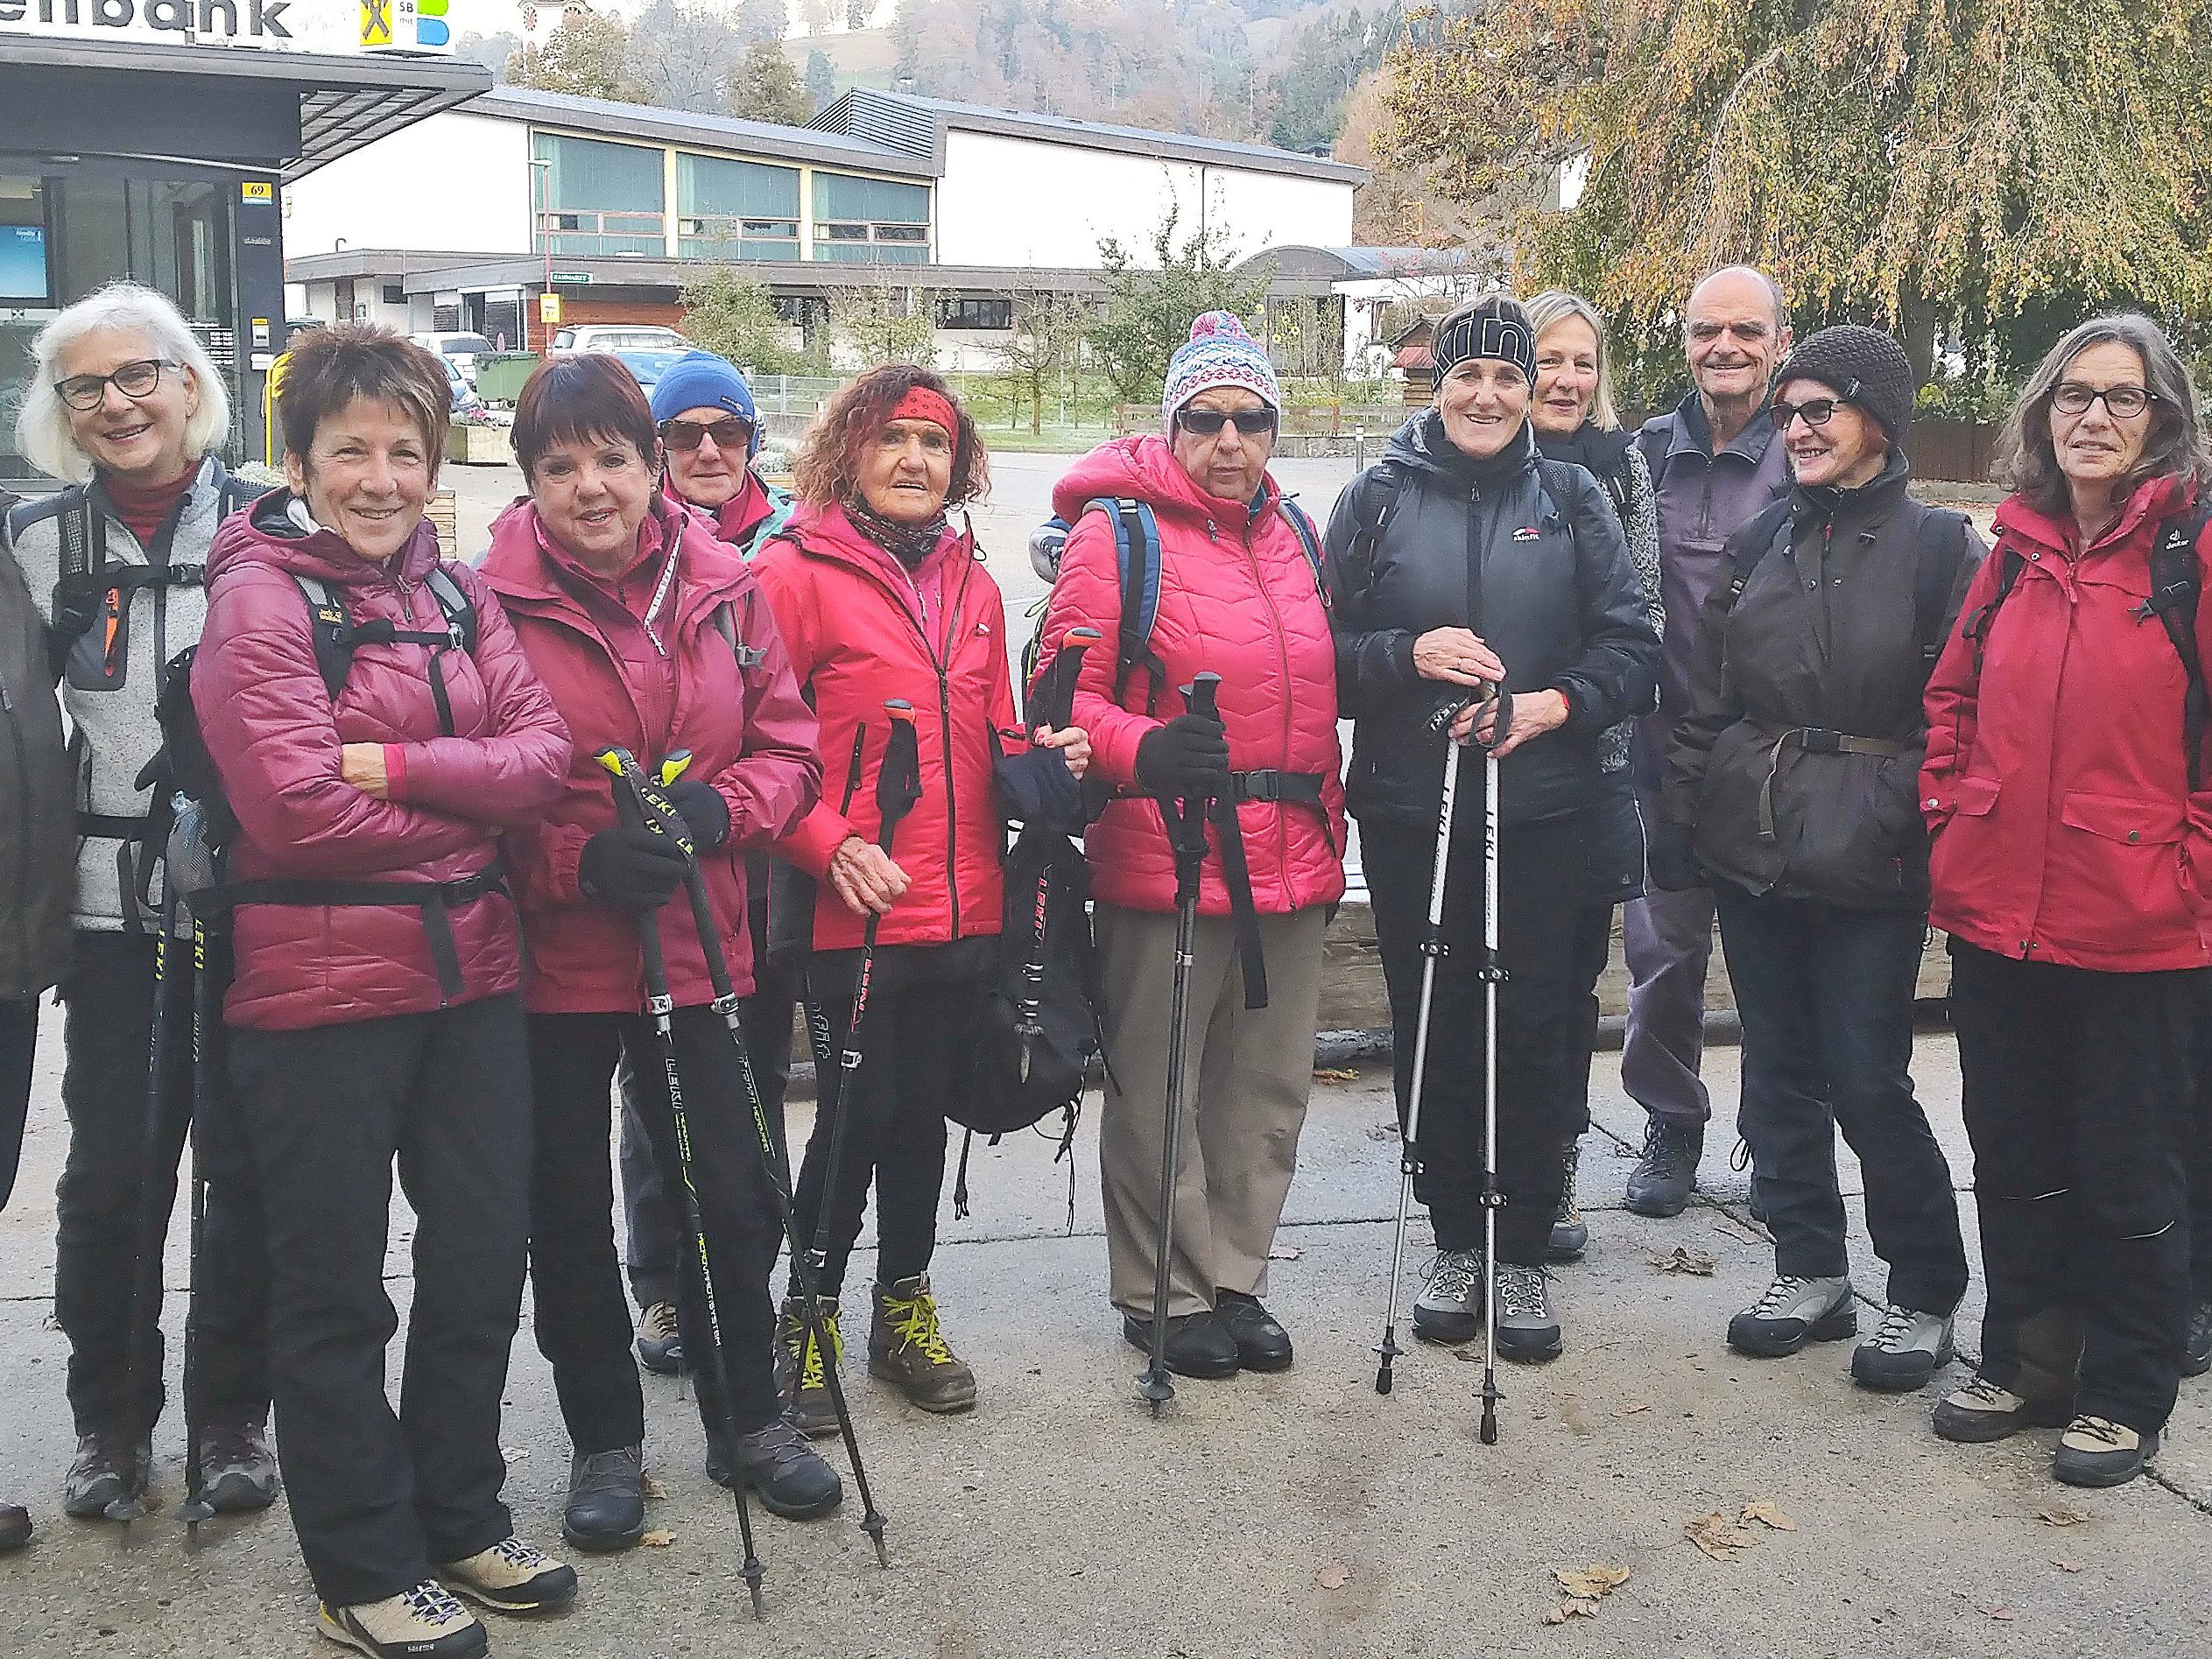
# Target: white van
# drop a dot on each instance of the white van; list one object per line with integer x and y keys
{"x": 618, "y": 337}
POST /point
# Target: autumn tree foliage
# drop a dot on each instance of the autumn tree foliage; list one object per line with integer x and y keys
{"x": 1952, "y": 164}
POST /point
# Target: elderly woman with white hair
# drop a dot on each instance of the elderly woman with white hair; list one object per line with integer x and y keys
{"x": 125, "y": 405}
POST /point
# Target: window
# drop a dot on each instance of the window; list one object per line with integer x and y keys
{"x": 605, "y": 199}
{"x": 971, "y": 311}
{"x": 395, "y": 294}
{"x": 871, "y": 221}
{"x": 731, "y": 209}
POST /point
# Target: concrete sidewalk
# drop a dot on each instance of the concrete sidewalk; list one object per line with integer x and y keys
{"x": 1294, "y": 1515}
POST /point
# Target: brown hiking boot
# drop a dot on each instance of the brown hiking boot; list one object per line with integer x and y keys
{"x": 799, "y": 1376}
{"x": 907, "y": 1349}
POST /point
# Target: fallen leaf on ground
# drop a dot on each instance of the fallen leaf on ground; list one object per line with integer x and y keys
{"x": 514, "y": 1454}
{"x": 1334, "y": 1074}
{"x": 1284, "y": 1252}
{"x": 1588, "y": 1584}
{"x": 1574, "y": 1607}
{"x": 1631, "y": 1410}
{"x": 1383, "y": 1132}
{"x": 2003, "y": 1614}
{"x": 1679, "y": 1260}
{"x": 2058, "y": 1517}
{"x": 658, "y": 1538}
{"x": 1334, "y": 1576}
{"x": 1717, "y": 1536}
{"x": 1768, "y": 1515}
{"x": 2068, "y": 1566}
{"x": 651, "y": 1487}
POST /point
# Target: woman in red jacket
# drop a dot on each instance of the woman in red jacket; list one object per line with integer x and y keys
{"x": 879, "y": 598}
{"x": 640, "y": 621}
{"x": 375, "y": 728}
{"x": 2072, "y": 865}
{"x": 1238, "y": 597}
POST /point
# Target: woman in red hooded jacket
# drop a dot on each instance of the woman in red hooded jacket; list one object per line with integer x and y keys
{"x": 376, "y": 1015}
{"x": 640, "y": 621}
{"x": 878, "y": 599}
{"x": 2071, "y": 868}
{"x": 1238, "y": 597}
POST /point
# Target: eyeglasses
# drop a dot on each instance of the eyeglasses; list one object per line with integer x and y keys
{"x": 133, "y": 380}
{"x": 1704, "y": 329}
{"x": 728, "y": 433}
{"x": 1205, "y": 423}
{"x": 2121, "y": 403}
{"x": 1816, "y": 413}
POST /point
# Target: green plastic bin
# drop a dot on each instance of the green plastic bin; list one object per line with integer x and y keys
{"x": 500, "y": 374}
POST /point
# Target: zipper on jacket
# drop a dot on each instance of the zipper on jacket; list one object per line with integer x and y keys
{"x": 1282, "y": 654}
{"x": 952, "y": 806}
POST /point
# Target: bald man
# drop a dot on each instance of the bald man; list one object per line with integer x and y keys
{"x": 1715, "y": 463}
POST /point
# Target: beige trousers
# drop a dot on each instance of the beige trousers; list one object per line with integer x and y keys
{"x": 1251, "y": 1069}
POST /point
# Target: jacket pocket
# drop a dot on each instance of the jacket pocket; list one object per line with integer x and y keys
{"x": 2127, "y": 852}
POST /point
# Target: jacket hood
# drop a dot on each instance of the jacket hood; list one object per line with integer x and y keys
{"x": 519, "y": 567}
{"x": 1420, "y": 444}
{"x": 276, "y": 531}
{"x": 2159, "y": 497}
{"x": 1145, "y": 468}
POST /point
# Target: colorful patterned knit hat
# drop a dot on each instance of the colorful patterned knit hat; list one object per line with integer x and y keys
{"x": 1219, "y": 354}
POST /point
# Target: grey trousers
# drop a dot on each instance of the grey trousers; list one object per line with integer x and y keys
{"x": 1253, "y": 1069}
{"x": 1668, "y": 938}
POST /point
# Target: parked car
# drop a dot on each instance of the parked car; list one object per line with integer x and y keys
{"x": 618, "y": 337}
{"x": 647, "y": 366}
{"x": 466, "y": 403}
{"x": 461, "y": 350}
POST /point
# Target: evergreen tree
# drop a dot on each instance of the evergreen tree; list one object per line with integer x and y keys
{"x": 766, "y": 87}
{"x": 822, "y": 80}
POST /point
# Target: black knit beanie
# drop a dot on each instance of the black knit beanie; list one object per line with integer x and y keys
{"x": 1863, "y": 366}
{"x": 1495, "y": 327}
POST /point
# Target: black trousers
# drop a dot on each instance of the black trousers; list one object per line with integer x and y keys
{"x": 18, "y": 1046}
{"x": 115, "y": 1200}
{"x": 2080, "y": 1098}
{"x": 377, "y": 1498}
{"x": 1826, "y": 998}
{"x": 894, "y": 1120}
{"x": 583, "y": 1322}
{"x": 1552, "y": 945}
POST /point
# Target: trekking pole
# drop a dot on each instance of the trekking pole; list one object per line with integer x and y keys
{"x": 660, "y": 1007}
{"x": 1053, "y": 704}
{"x": 1186, "y": 825}
{"x": 1492, "y": 976}
{"x": 898, "y": 787}
{"x": 1433, "y": 949}
{"x": 204, "y": 1014}
{"x": 726, "y": 1004}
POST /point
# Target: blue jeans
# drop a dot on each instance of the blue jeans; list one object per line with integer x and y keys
{"x": 1826, "y": 998}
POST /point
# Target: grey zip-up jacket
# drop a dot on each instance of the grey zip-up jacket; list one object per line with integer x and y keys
{"x": 114, "y": 668}
{"x": 37, "y": 830}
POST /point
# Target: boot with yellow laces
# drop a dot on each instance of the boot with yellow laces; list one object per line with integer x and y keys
{"x": 799, "y": 1376}
{"x": 907, "y": 1349}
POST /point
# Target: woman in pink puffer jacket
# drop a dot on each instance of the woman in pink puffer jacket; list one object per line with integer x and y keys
{"x": 1238, "y": 597}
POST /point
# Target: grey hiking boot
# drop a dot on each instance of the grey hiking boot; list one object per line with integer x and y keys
{"x": 1450, "y": 1308}
{"x": 660, "y": 1345}
{"x": 606, "y": 1508}
{"x": 1570, "y": 1234}
{"x": 425, "y": 1623}
{"x": 1907, "y": 1348}
{"x": 511, "y": 1577}
{"x": 1983, "y": 1411}
{"x": 792, "y": 1478}
{"x": 108, "y": 1468}
{"x": 2096, "y": 1452}
{"x": 1527, "y": 1324}
{"x": 799, "y": 1366}
{"x": 237, "y": 1470}
{"x": 1792, "y": 1312}
{"x": 1660, "y": 1183}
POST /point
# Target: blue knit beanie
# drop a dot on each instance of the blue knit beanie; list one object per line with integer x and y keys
{"x": 700, "y": 380}
{"x": 1220, "y": 353}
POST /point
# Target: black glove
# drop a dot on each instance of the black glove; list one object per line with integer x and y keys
{"x": 705, "y": 814}
{"x": 1186, "y": 758}
{"x": 632, "y": 867}
{"x": 1674, "y": 866}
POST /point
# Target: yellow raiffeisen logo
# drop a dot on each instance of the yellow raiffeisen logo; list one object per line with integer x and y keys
{"x": 344, "y": 28}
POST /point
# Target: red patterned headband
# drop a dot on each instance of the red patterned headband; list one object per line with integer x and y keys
{"x": 921, "y": 404}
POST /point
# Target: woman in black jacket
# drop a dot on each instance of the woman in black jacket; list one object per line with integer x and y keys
{"x": 1793, "y": 783}
{"x": 1463, "y": 557}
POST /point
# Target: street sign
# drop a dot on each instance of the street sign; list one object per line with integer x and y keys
{"x": 572, "y": 276}
{"x": 549, "y": 309}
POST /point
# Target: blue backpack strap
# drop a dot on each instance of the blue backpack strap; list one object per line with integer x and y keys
{"x": 1137, "y": 557}
{"x": 1309, "y": 542}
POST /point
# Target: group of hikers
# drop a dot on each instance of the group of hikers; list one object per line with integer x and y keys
{"x": 592, "y": 815}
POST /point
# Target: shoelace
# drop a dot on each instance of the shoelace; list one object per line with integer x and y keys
{"x": 1521, "y": 1290}
{"x": 1666, "y": 1152}
{"x": 1983, "y": 1392}
{"x": 780, "y": 1444}
{"x": 1454, "y": 1275}
{"x": 516, "y": 1553}
{"x": 809, "y": 1351}
{"x": 232, "y": 1448}
{"x": 1779, "y": 1296}
{"x": 660, "y": 1322}
{"x": 916, "y": 1322}
{"x": 1566, "y": 1210}
{"x": 2102, "y": 1430}
{"x": 432, "y": 1603}
{"x": 1897, "y": 1324}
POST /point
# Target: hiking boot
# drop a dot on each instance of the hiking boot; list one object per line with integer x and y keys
{"x": 1907, "y": 1348}
{"x": 1983, "y": 1411}
{"x": 660, "y": 1345}
{"x": 907, "y": 1349}
{"x": 792, "y": 1478}
{"x": 2196, "y": 1349}
{"x": 107, "y": 1469}
{"x": 14, "y": 1527}
{"x": 800, "y": 1376}
{"x": 237, "y": 1470}
{"x": 1660, "y": 1183}
{"x": 1450, "y": 1308}
{"x": 1570, "y": 1234}
{"x": 2096, "y": 1452}
{"x": 511, "y": 1577}
{"x": 1262, "y": 1344}
{"x": 1792, "y": 1312}
{"x": 1198, "y": 1345}
{"x": 606, "y": 1508}
{"x": 1527, "y": 1324}
{"x": 425, "y": 1623}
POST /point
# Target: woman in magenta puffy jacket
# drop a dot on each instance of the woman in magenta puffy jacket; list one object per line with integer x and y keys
{"x": 1240, "y": 597}
{"x": 376, "y": 1015}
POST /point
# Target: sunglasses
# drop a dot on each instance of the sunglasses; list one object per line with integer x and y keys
{"x": 1815, "y": 412}
{"x": 1204, "y": 423}
{"x": 729, "y": 433}
{"x": 137, "y": 379}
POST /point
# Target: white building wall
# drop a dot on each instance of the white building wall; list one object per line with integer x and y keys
{"x": 456, "y": 183}
{"x": 1024, "y": 201}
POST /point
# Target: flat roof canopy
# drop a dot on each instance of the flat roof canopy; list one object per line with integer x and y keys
{"x": 293, "y": 111}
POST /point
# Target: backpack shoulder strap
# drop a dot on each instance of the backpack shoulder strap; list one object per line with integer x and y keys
{"x": 1374, "y": 499}
{"x": 458, "y": 609}
{"x": 1751, "y": 543}
{"x": 2177, "y": 585}
{"x": 725, "y": 620}
{"x": 332, "y": 631}
{"x": 1137, "y": 556}
{"x": 1938, "y": 548}
{"x": 1309, "y": 542}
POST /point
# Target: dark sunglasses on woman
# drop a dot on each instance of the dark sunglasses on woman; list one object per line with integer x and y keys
{"x": 1204, "y": 423}
{"x": 728, "y": 433}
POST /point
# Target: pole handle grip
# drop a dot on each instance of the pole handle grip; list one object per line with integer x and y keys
{"x": 1198, "y": 697}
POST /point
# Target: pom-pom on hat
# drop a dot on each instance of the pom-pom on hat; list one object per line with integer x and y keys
{"x": 1219, "y": 353}
{"x": 700, "y": 380}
